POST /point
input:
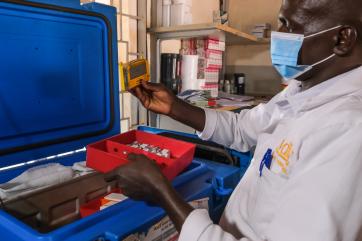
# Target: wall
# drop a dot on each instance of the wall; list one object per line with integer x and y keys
{"x": 202, "y": 10}
{"x": 253, "y": 60}
{"x": 201, "y": 13}
{"x": 244, "y": 13}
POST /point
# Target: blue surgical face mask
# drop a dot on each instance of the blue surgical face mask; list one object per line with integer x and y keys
{"x": 285, "y": 48}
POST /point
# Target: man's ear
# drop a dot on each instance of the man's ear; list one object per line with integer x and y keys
{"x": 345, "y": 40}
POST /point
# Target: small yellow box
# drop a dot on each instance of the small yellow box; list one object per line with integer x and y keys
{"x": 136, "y": 71}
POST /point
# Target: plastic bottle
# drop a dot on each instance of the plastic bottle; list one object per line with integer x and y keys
{"x": 227, "y": 86}
{"x": 240, "y": 83}
{"x": 232, "y": 87}
{"x": 221, "y": 85}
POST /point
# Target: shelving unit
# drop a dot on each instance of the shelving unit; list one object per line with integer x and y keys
{"x": 225, "y": 33}
{"x": 230, "y": 35}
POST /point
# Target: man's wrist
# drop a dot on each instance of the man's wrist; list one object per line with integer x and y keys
{"x": 176, "y": 108}
{"x": 165, "y": 193}
{"x": 175, "y": 206}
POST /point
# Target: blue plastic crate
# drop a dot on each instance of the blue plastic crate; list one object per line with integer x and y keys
{"x": 242, "y": 159}
{"x": 202, "y": 179}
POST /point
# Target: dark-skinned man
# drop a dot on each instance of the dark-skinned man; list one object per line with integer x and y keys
{"x": 305, "y": 180}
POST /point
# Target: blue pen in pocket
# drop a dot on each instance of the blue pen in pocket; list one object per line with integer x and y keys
{"x": 266, "y": 161}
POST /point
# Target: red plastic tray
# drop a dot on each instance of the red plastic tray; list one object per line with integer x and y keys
{"x": 108, "y": 154}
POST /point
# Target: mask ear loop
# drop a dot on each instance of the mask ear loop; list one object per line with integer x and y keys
{"x": 322, "y": 32}
{"x": 316, "y": 34}
{"x": 324, "y": 60}
{"x": 313, "y": 65}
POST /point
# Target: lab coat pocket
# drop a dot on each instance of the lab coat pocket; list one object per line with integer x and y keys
{"x": 269, "y": 187}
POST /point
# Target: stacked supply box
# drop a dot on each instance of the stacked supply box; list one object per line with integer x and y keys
{"x": 261, "y": 30}
{"x": 210, "y": 52}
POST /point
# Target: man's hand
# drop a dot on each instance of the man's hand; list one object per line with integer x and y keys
{"x": 159, "y": 99}
{"x": 155, "y": 97}
{"x": 141, "y": 179}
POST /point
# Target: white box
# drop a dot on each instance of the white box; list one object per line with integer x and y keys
{"x": 188, "y": 19}
{"x": 180, "y": 14}
{"x": 166, "y": 13}
{"x": 205, "y": 63}
{"x": 116, "y": 197}
{"x": 209, "y": 43}
{"x": 209, "y": 53}
{"x": 186, "y": 2}
{"x": 106, "y": 2}
{"x": 210, "y": 75}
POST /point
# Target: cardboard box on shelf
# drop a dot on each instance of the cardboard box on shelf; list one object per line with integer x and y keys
{"x": 210, "y": 62}
{"x": 205, "y": 63}
{"x": 210, "y": 75}
{"x": 209, "y": 43}
{"x": 209, "y": 53}
{"x": 261, "y": 30}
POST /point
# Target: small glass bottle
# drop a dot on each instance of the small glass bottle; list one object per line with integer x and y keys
{"x": 221, "y": 85}
{"x": 232, "y": 86}
{"x": 227, "y": 86}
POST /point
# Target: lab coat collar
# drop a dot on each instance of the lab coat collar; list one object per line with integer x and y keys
{"x": 341, "y": 85}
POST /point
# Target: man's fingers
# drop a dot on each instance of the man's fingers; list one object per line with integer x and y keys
{"x": 132, "y": 157}
{"x": 143, "y": 96}
{"x": 138, "y": 93}
{"x": 135, "y": 157}
{"x": 151, "y": 86}
{"x": 133, "y": 195}
{"x": 132, "y": 91}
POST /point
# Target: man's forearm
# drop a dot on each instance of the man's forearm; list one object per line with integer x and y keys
{"x": 188, "y": 114}
{"x": 176, "y": 208}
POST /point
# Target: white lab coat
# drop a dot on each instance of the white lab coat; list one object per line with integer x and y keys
{"x": 313, "y": 190}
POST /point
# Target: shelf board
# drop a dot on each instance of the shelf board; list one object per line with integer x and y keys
{"x": 230, "y": 35}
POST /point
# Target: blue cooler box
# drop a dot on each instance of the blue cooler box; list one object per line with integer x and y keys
{"x": 58, "y": 93}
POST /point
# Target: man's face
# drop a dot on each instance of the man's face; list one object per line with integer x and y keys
{"x": 308, "y": 17}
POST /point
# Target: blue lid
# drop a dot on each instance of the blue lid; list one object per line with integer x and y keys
{"x": 58, "y": 77}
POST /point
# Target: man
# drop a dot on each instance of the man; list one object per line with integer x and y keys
{"x": 305, "y": 180}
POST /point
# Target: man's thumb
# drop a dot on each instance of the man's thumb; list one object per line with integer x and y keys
{"x": 151, "y": 86}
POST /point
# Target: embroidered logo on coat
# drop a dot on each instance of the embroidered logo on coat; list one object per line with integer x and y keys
{"x": 282, "y": 154}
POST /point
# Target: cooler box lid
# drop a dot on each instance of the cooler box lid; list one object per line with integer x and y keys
{"x": 58, "y": 78}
